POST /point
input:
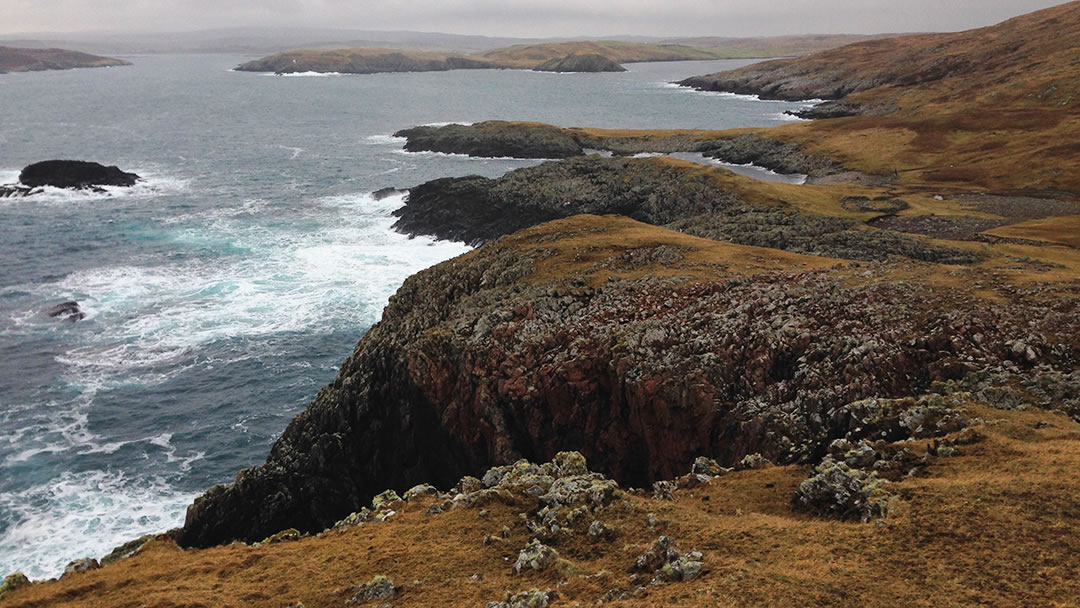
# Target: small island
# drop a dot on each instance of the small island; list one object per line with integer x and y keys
{"x": 580, "y": 63}
{"x": 68, "y": 174}
{"x": 14, "y": 59}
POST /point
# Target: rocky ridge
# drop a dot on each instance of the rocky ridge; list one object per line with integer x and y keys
{"x": 477, "y": 210}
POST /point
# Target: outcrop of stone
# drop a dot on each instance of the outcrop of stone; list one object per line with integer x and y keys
{"x": 74, "y": 174}
{"x": 775, "y": 155}
{"x": 14, "y": 59}
{"x": 474, "y": 363}
{"x": 590, "y": 62}
{"x": 478, "y": 209}
{"x": 493, "y": 138}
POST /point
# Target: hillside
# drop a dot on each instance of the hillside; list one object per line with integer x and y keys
{"x": 14, "y": 59}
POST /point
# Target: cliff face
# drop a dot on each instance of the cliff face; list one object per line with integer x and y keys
{"x": 641, "y": 347}
{"x": 13, "y": 59}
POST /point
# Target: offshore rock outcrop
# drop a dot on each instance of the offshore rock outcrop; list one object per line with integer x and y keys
{"x": 489, "y": 358}
{"x": 70, "y": 174}
{"x": 589, "y": 62}
{"x": 494, "y": 138}
{"x": 477, "y": 209}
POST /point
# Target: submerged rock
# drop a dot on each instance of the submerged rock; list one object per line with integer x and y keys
{"x": 68, "y": 311}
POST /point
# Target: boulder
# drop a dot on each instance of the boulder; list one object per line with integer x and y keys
{"x": 68, "y": 311}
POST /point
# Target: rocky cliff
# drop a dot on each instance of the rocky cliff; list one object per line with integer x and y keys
{"x": 641, "y": 347}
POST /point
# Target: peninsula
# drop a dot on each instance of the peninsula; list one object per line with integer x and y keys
{"x": 14, "y": 59}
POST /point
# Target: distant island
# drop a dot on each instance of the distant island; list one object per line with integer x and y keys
{"x": 584, "y": 56}
{"x": 14, "y": 59}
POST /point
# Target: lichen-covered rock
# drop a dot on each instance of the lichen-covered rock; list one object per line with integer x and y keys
{"x": 281, "y": 537}
{"x": 598, "y": 530}
{"x": 753, "y": 462}
{"x": 355, "y": 518}
{"x": 841, "y": 492}
{"x": 385, "y": 500}
{"x": 706, "y": 466}
{"x": 527, "y": 599}
{"x": 536, "y": 556}
{"x": 378, "y": 588}
{"x": 664, "y": 490}
{"x": 79, "y": 566}
{"x": 593, "y": 490}
{"x": 684, "y": 568}
{"x": 664, "y": 561}
{"x": 13, "y": 582}
{"x": 127, "y": 549}
{"x": 420, "y": 491}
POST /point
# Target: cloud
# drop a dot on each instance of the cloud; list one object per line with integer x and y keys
{"x": 520, "y": 17}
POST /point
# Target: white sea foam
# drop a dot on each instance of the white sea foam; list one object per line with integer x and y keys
{"x": 151, "y": 185}
{"x": 386, "y": 140}
{"x": 306, "y": 74}
{"x": 83, "y": 515}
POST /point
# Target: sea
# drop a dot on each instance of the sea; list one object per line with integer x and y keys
{"x": 222, "y": 292}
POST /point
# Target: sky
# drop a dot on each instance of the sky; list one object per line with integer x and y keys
{"x": 519, "y": 18}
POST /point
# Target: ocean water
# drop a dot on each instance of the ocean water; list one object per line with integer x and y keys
{"x": 222, "y": 291}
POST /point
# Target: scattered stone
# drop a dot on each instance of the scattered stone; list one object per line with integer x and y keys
{"x": 526, "y": 599}
{"x": 667, "y": 564}
{"x": 79, "y": 566}
{"x": 378, "y": 588}
{"x": 536, "y": 556}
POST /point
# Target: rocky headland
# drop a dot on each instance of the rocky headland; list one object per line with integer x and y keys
{"x": 361, "y": 61}
{"x": 580, "y": 63}
{"x": 70, "y": 174}
{"x": 14, "y": 59}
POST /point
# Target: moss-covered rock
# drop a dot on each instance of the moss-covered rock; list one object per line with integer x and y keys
{"x": 536, "y": 557}
{"x": 13, "y": 582}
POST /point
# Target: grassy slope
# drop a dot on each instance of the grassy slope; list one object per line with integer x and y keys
{"x": 527, "y": 56}
{"x": 14, "y": 59}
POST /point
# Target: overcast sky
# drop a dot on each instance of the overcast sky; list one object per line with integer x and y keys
{"x": 525, "y": 18}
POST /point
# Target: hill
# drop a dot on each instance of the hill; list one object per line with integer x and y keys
{"x": 361, "y": 61}
{"x": 13, "y": 59}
